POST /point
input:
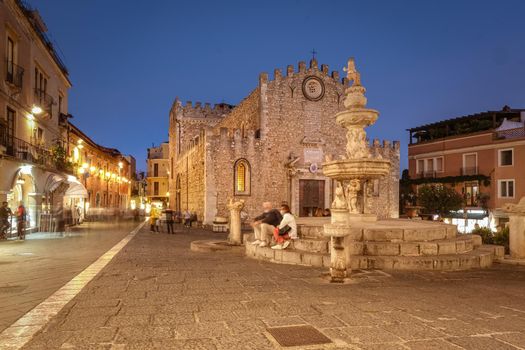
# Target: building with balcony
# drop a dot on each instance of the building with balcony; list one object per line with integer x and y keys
{"x": 157, "y": 174}
{"x": 104, "y": 173}
{"x": 34, "y": 86}
{"x": 482, "y": 156}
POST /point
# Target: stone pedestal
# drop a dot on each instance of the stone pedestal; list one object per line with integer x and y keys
{"x": 339, "y": 216}
{"x": 517, "y": 236}
{"x": 516, "y": 229}
{"x": 338, "y": 263}
{"x": 338, "y": 269}
{"x": 235, "y": 236}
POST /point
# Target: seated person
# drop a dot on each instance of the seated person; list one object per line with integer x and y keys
{"x": 288, "y": 225}
{"x": 264, "y": 224}
{"x": 318, "y": 212}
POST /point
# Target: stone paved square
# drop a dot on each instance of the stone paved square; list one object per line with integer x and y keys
{"x": 401, "y": 310}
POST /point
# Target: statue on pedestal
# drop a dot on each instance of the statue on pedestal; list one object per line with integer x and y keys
{"x": 339, "y": 200}
{"x": 352, "y": 192}
{"x": 235, "y": 235}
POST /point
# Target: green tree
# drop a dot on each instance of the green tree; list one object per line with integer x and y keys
{"x": 439, "y": 199}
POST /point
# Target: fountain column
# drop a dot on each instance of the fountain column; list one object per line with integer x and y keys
{"x": 354, "y": 173}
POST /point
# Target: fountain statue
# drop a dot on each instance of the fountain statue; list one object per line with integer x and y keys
{"x": 354, "y": 172}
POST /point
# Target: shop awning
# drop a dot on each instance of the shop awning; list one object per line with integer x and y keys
{"x": 76, "y": 189}
{"x": 52, "y": 182}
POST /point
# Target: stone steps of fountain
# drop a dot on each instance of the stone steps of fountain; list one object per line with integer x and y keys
{"x": 288, "y": 256}
{"x": 314, "y": 245}
{"x": 422, "y": 231}
{"x": 460, "y": 244}
{"x": 477, "y": 258}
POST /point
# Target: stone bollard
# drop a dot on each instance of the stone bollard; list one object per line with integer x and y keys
{"x": 337, "y": 230}
{"x": 235, "y": 235}
{"x": 516, "y": 229}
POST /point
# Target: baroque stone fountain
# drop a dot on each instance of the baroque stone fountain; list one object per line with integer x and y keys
{"x": 354, "y": 172}
{"x": 355, "y": 238}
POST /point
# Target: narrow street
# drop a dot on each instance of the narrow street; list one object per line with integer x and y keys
{"x": 32, "y": 270}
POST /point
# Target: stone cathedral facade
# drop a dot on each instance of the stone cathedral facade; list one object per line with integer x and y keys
{"x": 268, "y": 148}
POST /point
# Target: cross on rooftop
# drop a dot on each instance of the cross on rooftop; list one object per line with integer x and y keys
{"x": 313, "y": 52}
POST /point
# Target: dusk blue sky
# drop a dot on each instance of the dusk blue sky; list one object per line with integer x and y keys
{"x": 421, "y": 61}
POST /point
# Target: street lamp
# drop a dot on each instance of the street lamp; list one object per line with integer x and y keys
{"x": 120, "y": 166}
{"x": 84, "y": 171}
{"x": 36, "y": 110}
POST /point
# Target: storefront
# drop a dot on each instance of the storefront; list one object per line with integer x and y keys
{"x": 468, "y": 220}
{"x": 24, "y": 192}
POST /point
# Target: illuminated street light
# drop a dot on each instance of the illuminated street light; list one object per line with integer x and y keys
{"x": 36, "y": 110}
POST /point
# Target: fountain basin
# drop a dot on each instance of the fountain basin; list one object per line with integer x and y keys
{"x": 357, "y": 117}
{"x": 365, "y": 168}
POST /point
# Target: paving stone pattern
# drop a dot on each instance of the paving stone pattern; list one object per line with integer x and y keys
{"x": 32, "y": 270}
{"x": 157, "y": 294}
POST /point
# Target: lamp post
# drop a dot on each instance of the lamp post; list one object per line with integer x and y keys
{"x": 120, "y": 165}
{"x": 107, "y": 177}
{"x": 84, "y": 172}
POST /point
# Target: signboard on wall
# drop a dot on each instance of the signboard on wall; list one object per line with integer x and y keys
{"x": 313, "y": 155}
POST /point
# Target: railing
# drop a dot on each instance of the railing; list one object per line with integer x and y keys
{"x": 25, "y": 151}
{"x": 44, "y": 100}
{"x": 14, "y": 74}
{"x": 469, "y": 170}
{"x": 426, "y": 174}
{"x": 158, "y": 174}
{"x": 510, "y": 133}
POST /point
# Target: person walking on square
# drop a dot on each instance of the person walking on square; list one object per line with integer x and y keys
{"x": 287, "y": 229}
{"x": 169, "y": 220}
{"x": 21, "y": 216}
{"x": 264, "y": 224}
{"x": 187, "y": 218}
{"x": 153, "y": 217}
{"x": 5, "y": 214}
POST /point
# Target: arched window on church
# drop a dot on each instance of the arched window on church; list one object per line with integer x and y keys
{"x": 242, "y": 177}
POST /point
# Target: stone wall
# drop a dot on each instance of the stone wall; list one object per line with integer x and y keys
{"x": 386, "y": 204}
{"x": 222, "y": 152}
{"x": 189, "y": 167}
{"x": 244, "y": 116}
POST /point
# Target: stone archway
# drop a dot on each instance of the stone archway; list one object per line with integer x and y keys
{"x": 23, "y": 191}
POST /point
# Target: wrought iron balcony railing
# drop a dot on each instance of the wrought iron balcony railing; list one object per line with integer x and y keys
{"x": 469, "y": 170}
{"x": 44, "y": 101}
{"x": 510, "y": 133}
{"x": 427, "y": 174}
{"x": 27, "y": 152}
{"x": 14, "y": 74}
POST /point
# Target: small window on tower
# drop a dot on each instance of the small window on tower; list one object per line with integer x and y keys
{"x": 242, "y": 177}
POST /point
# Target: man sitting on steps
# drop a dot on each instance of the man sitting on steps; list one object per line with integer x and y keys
{"x": 264, "y": 224}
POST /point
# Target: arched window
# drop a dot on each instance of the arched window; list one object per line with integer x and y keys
{"x": 242, "y": 177}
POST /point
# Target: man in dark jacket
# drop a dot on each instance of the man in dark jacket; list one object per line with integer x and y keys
{"x": 264, "y": 224}
{"x": 5, "y": 215}
{"x": 169, "y": 220}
